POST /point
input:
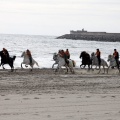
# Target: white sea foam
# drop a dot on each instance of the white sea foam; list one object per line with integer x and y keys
{"x": 43, "y": 47}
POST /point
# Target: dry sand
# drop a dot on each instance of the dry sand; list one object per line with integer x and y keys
{"x": 45, "y": 95}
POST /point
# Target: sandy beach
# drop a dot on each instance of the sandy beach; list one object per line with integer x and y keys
{"x": 45, "y": 95}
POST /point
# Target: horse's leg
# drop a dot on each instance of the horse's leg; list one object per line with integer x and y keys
{"x": 31, "y": 67}
{"x": 99, "y": 69}
{"x": 82, "y": 67}
{"x": 92, "y": 67}
{"x": 67, "y": 68}
{"x": 71, "y": 64}
{"x": 58, "y": 68}
{"x": 119, "y": 71}
{"x": 53, "y": 65}
{"x": 26, "y": 66}
{"x": 72, "y": 68}
{"x": 108, "y": 69}
{"x": 118, "y": 66}
{"x": 12, "y": 67}
{"x": 104, "y": 69}
{"x": 21, "y": 65}
{"x": 2, "y": 66}
{"x": 88, "y": 67}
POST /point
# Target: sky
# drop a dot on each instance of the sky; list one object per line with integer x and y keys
{"x": 58, "y": 17}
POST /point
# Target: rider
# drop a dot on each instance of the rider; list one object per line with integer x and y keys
{"x": 29, "y": 55}
{"x": 67, "y": 54}
{"x": 116, "y": 56}
{"x": 62, "y": 54}
{"x": 98, "y": 55}
{"x": 6, "y": 54}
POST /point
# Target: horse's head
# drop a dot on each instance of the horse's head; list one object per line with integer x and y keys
{"x": 82, "y": 54}
{"x": 92, "y": 54}
{"x": 23, "y": 53}
{"x": 55, "y": 56}
{"x": 110, "y": 57}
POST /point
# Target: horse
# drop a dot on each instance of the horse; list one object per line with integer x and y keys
{"x": 96, "y": 63}
{"x": 112, "y": 62}
{"x": 5, "y": 61}
{"x": 55, "y": 59}
{"x": 26, "y": 61}
{"x": 86, "y": 60}
{"x": 61, "y": 62}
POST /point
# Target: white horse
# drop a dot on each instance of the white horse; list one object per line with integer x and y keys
{"x": 96, "y": 63}
{"x": 112, "y": 62}
{"x": 26, "y": 60}
{"x": 61, "y": 62}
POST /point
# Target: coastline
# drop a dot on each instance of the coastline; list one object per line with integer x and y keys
{"x": 91, "y": 36}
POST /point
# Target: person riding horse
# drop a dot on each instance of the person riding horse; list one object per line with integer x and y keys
{"x": 6, "y": 54}
{"x": 63, "y": 54}
{"x": 67, "y": 54}
{"x": 98, "y": 55}
{"x": 6, "y": 59}
{"x": 116, "y": 56}
{"x": 29, "y": 55}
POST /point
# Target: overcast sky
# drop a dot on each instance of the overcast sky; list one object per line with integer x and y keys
{"x": 57, "y": 17}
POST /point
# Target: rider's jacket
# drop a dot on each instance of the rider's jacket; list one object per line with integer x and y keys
{"x": 116, "y": 55}
{"x": 98, "y": 53}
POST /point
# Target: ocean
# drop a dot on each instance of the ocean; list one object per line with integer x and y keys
{"x": 43, "y": 47}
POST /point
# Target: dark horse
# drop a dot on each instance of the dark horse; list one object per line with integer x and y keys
{"x": 5, "y": 61}
{"x": 86, "y": 60}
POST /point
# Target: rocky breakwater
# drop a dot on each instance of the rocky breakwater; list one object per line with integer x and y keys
{"x": 92, "y": 36}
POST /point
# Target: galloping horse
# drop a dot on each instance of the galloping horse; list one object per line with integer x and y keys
{"x": 26, "y": 60}
{"x": 5, "y": 61}
{"x": 95, "y": 62}
{"x": 112, "y": 62}
{"x": 86, "y": 60}
{"x": 61, "y": 62}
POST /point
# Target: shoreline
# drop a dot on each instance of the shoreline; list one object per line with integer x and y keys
{"x": 44, "y": 94}
{"x": 47, "y": 78}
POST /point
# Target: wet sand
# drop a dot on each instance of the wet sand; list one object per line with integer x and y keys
{"x": 43, "y": 94}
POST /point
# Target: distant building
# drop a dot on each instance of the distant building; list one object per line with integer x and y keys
{"x": 87, "y": 33}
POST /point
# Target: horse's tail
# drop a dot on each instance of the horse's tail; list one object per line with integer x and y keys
{"x": 74, "y": 63}
{"x": 37, "y": 64}
{"x": 14, "y": 58}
